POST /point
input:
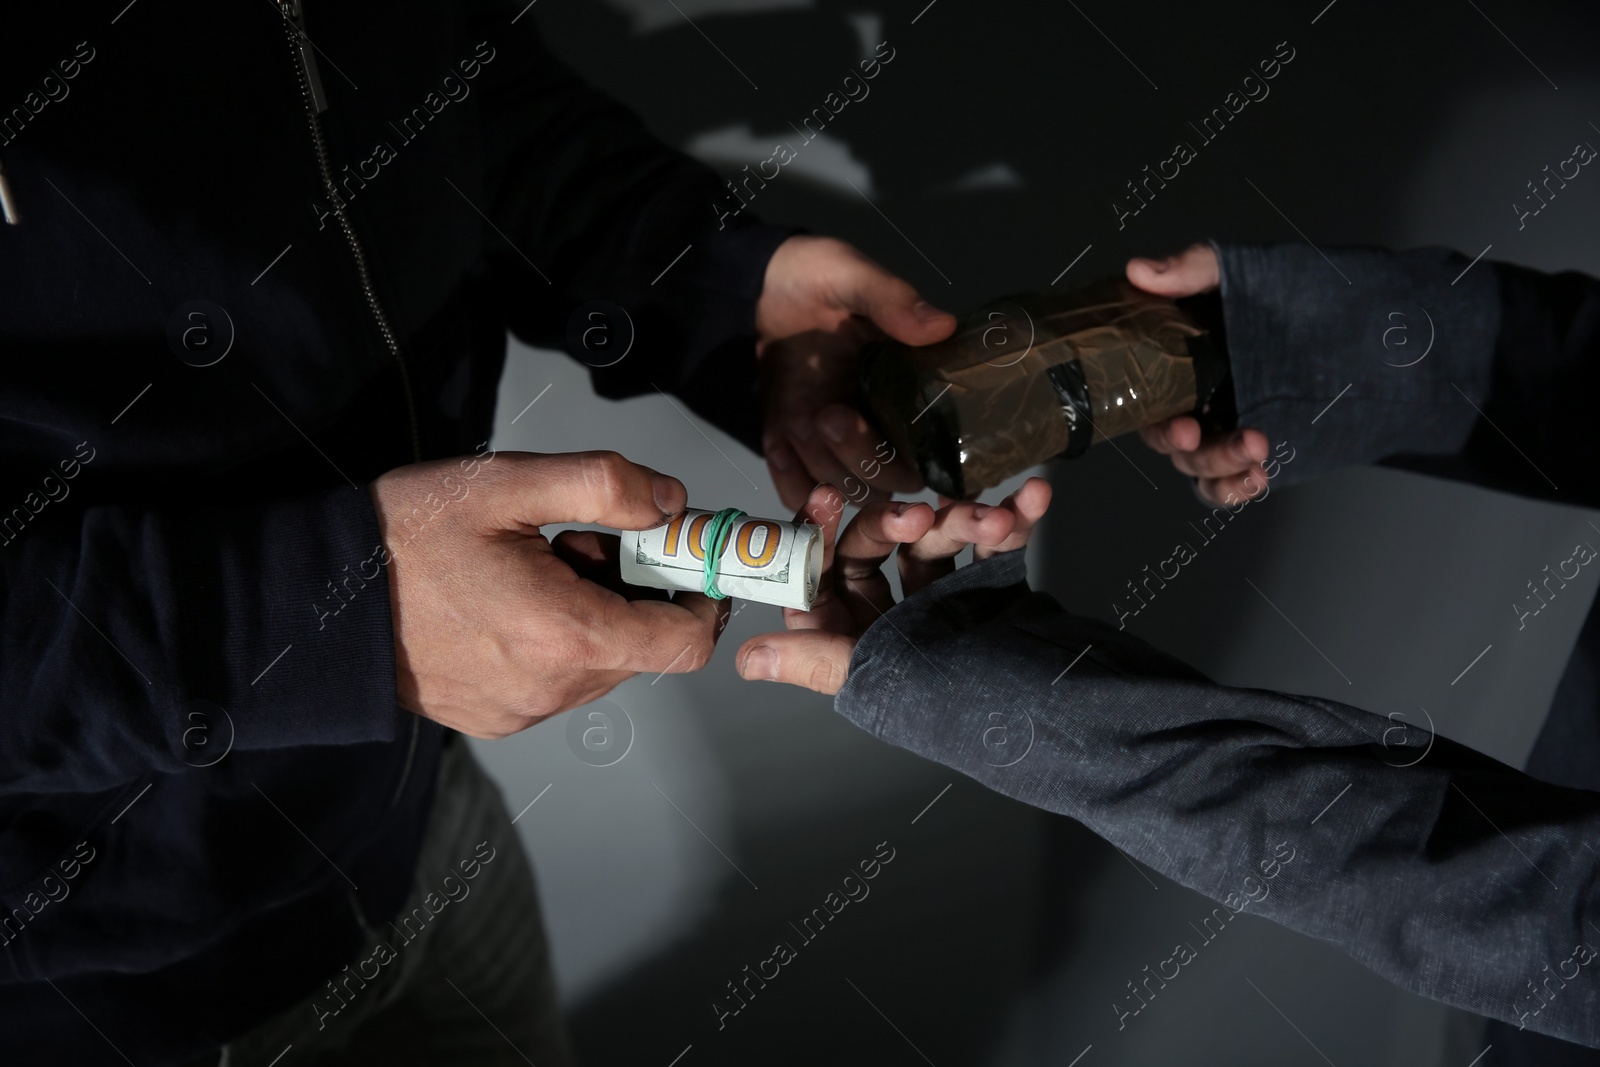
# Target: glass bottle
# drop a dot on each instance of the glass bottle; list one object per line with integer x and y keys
{"x": 1045, "y": 375}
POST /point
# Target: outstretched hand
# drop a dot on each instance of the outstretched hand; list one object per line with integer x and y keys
{"x": 815, "y": 650}
{"x": 1225, "y": 468}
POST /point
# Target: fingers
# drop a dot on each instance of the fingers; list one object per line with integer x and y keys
{"x": 838, "y": 447}
{"x": 823, "y": 507}
{"x": 713, "y": 614}
{"x": 890, "y": 303}
{"x": 1028, "y": 504}
{"x": 1223, "y": 466}
{"x": 1222, "y": 457}
{"x": 593, "y": 556}
{"x": 1226, "y": 469}
{"x": 861, "y": 450}
{"x": 592, "y": 487}
{"x": 956, "y": 526}
{"x": 1234, "y": 488}
{"x": 880, "y": 528}
{"x": 1194, "y": 270}
{"x": 599, "y": 684}
{"x": 651, "y": 636}
{"x": 1181, "y": 434}
{"x": 789, "y": 475}
{"x": 815, "y": 659}
{"x": 818, "y": 465}
{"x": 876, "y": 532}
{"x": 588, "y": 552}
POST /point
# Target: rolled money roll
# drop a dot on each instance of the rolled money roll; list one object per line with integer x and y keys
{"x": 765, "y": 560}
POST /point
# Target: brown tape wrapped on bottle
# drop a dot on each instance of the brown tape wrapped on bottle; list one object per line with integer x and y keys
{"x": 1029, "y": 378}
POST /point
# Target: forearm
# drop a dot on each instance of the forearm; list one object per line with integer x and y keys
{"x": 122, "y": 624}
{"x": 1535, "y": 436}
{"x": 1306, "y": 336}
{"x": 608, "y": 212}
{"x": 1215, "y": 786}
{"x": 1421, "y": 359}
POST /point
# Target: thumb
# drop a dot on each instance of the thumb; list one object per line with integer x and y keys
{"x": 1194, "y": 270}
{"x": 815, "y": 659}
{"x": 894, "y": 306}
{"x": 590, "y": 487}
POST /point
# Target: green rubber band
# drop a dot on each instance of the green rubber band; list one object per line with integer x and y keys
{"x": 719, "y": 531}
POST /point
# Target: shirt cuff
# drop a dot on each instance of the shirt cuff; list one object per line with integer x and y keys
{"x": 905, "y": 642}
{"x": 735, "y": 260}
{"x": 1354, "y": 355}
{"x": 720, "y": 382}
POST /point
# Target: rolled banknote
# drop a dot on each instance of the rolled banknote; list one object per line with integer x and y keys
{"x": 764, "y": 560}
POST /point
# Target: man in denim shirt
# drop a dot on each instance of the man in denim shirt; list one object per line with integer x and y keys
{"x": 1455, "y": 877}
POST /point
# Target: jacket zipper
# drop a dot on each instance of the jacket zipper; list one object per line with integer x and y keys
{"x": 315, "y": 103}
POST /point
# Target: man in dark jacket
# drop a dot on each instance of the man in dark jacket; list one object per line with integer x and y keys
{"x": 253, "y": 259}
{"x": 1451, "y": 874}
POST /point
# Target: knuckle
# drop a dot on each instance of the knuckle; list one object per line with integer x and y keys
{"x": 824, "y": 675}
{"x": 580, "y": 648}
{"x": 560, "y": 602}
{"x": 540, "y": 704}
{"x": 561, "y": 648}
{"x": 699, "y": 653}
{"x": 509, "y": 727}
{"x": 605, "y": 473}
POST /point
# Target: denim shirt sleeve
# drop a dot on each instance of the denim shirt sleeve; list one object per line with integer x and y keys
{"x": 1318, "y": 343}
{"x": 1481, "y": 372}
{"x": 1446, "y": 872}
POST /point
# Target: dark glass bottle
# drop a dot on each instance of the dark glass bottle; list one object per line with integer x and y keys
{"x": 1045, "y": 375}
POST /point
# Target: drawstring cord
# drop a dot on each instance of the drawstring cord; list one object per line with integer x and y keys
{"x": 8, "y": 202}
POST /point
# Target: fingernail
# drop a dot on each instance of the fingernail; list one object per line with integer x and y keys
{"x": 760, "y": 665}
{"x": 781, "y": 458}
{"x": 670, "y": 495}
{"x": 926, "y": 312}
{"x": 802, "y": 430}
{"x": 981, "y": 510}
{"x": 837, "y": 425}
{"x": 903, "y": 507}
{"x": 1159, "y": 265}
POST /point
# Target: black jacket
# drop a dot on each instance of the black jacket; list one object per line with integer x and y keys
{"x": 205, "y": 784}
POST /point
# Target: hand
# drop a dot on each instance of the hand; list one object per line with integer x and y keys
{"x": 1226, "y": 466}
{"x": 815, "y": 651}
{"x": 820, "y": 302}
{"x": 496, "y": 627}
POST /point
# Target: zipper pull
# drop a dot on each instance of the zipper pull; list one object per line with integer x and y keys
{"x": 8, "y": 202}
{"x": 308, "y": 56}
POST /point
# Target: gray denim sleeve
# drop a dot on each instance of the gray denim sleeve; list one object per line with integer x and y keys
{"x": 1356, "y": 355}
{"x": 1446, "y": 872}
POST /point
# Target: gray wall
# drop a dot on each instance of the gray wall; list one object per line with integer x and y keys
{"x": 995, "y": 142}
